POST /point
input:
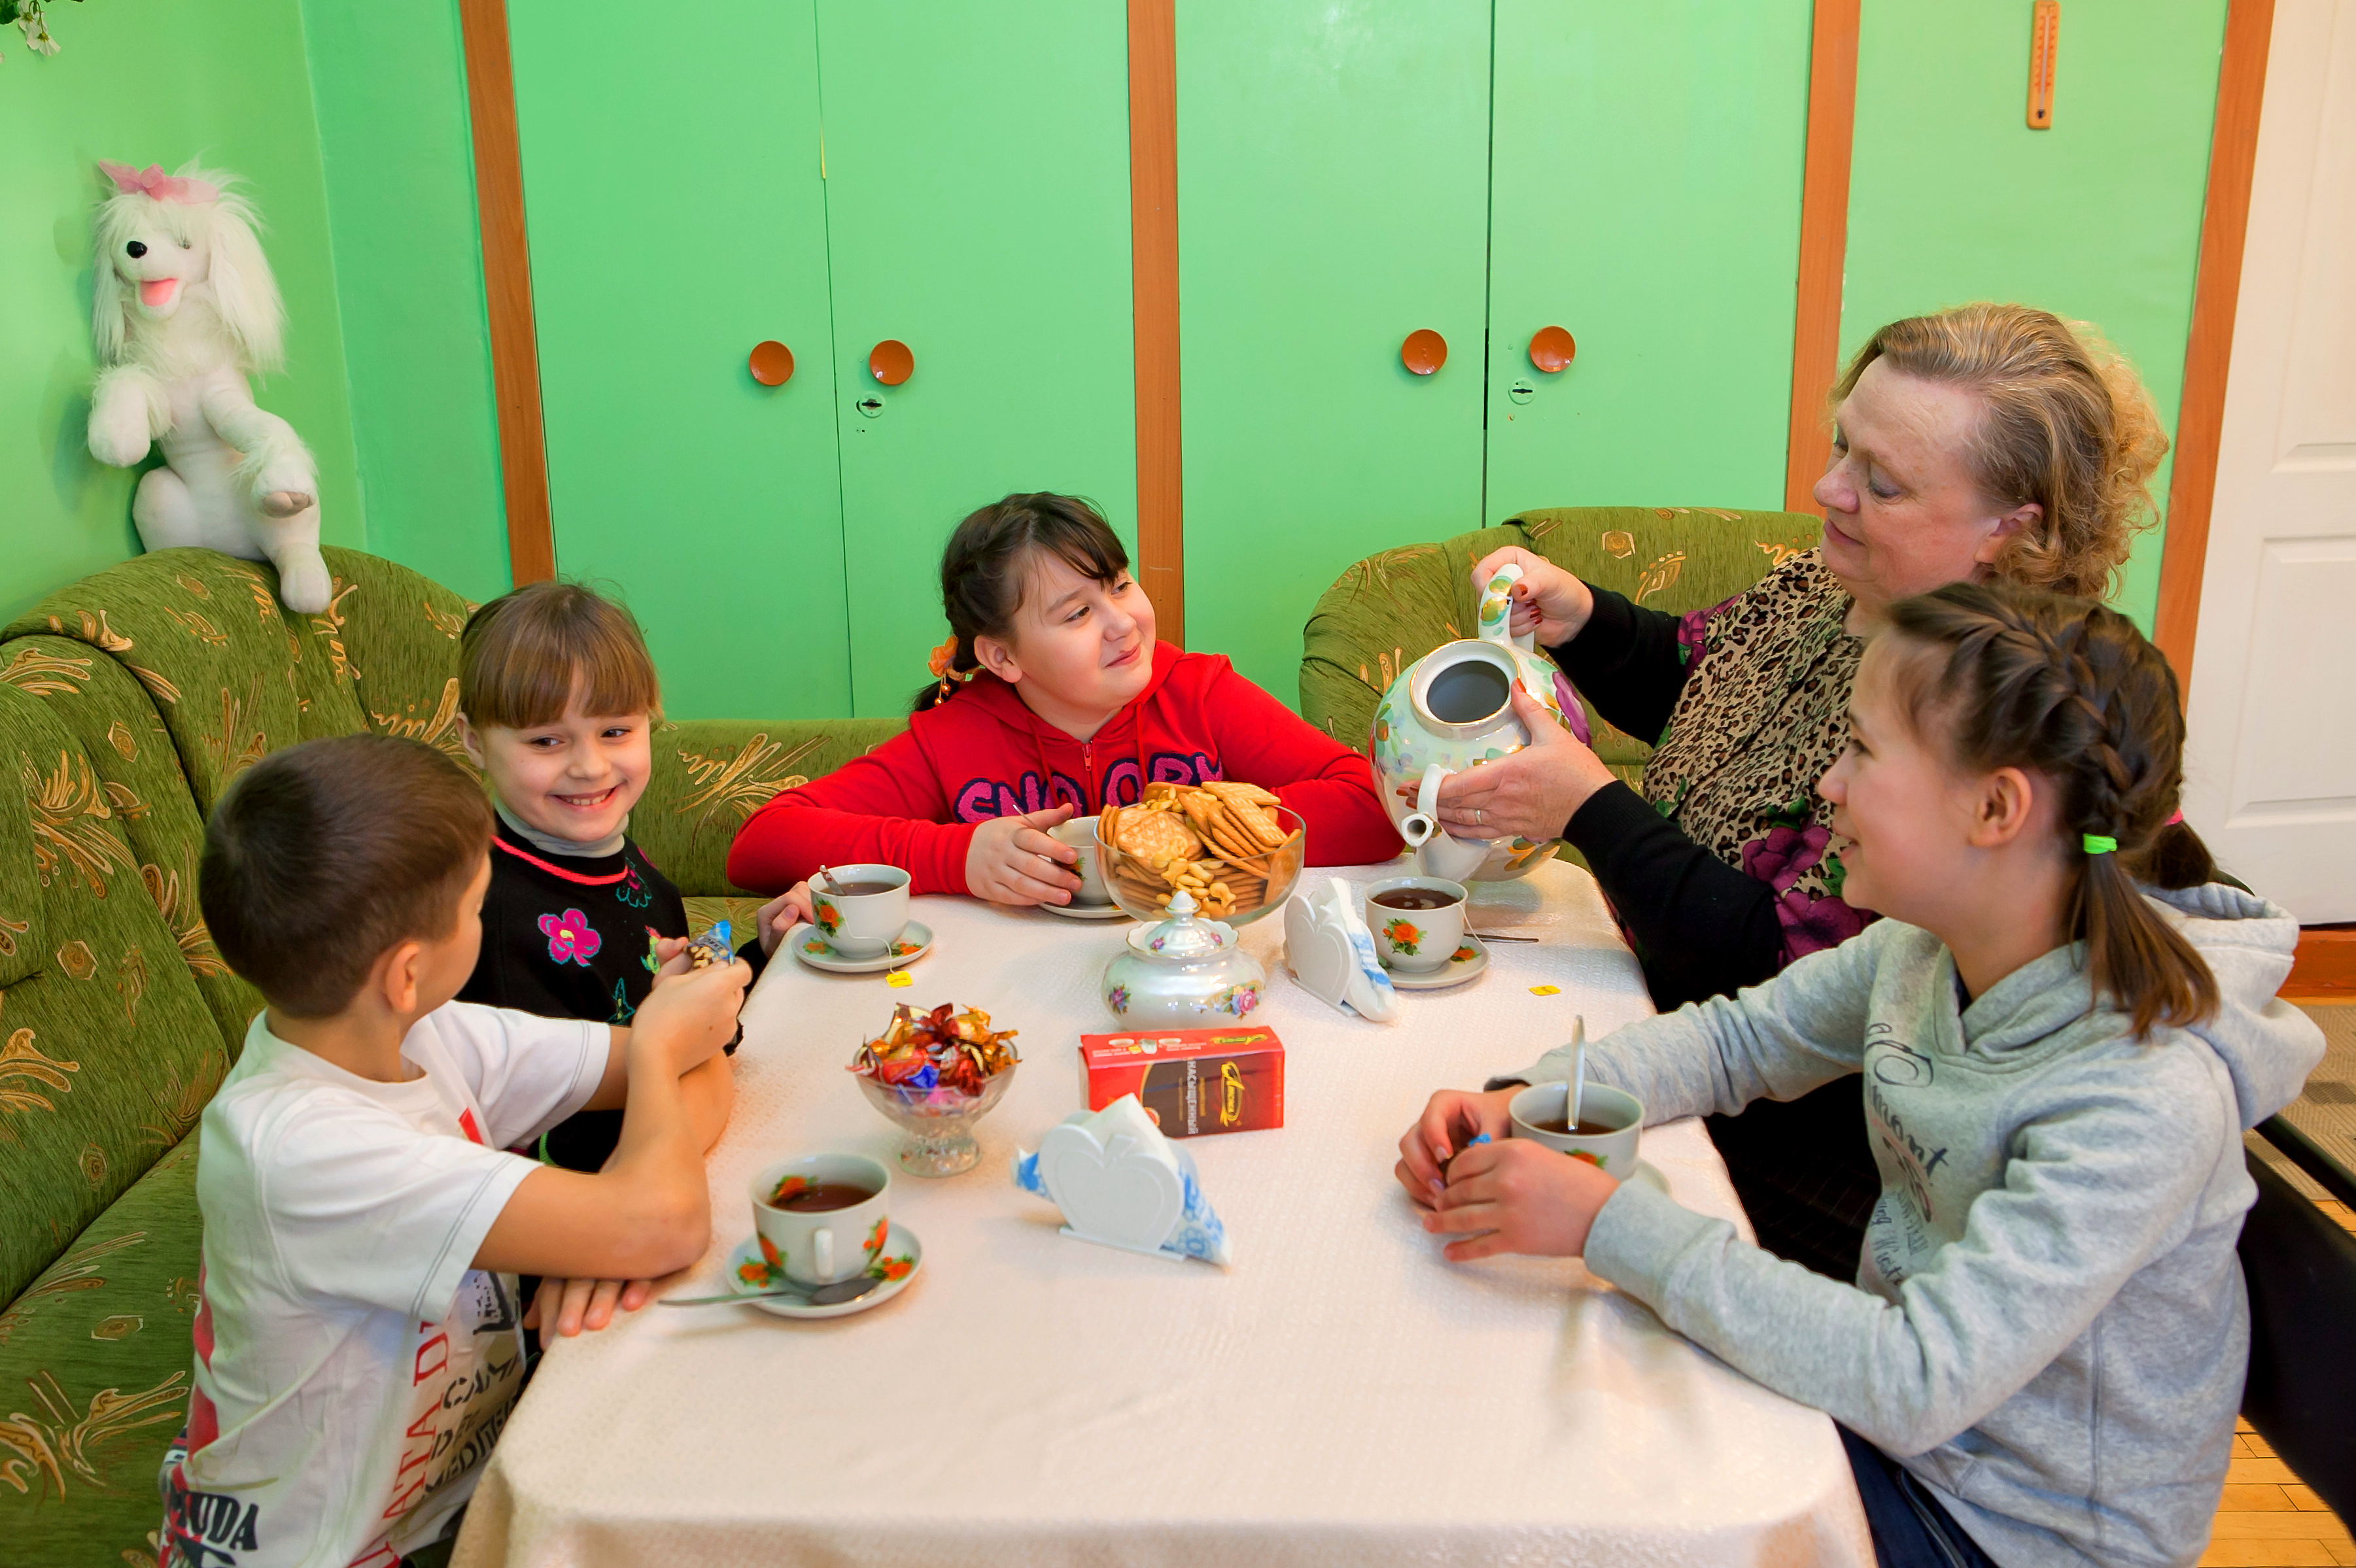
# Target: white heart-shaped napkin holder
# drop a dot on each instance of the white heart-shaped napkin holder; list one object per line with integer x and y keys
{"x": 1333, "y": 953}
{"x": 1120, "y": 1183}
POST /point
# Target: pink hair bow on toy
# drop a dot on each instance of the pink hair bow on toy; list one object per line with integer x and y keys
{"x": 153, "y": 182}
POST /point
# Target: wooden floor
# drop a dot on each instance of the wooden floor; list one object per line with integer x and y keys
{"x": 2266, "y": 1519}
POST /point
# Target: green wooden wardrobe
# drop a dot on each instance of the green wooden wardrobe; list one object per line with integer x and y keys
{"x": 952, "y": 176}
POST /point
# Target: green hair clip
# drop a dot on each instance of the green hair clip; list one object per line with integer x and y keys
{"x": 2098, "y": 844}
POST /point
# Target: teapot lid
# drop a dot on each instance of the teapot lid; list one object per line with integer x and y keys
{"x": 1183, "y": 936}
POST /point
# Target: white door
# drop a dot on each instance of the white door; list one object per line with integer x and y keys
{"x": 2271, "y": 763}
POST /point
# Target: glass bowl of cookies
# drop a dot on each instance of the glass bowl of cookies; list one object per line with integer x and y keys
{"x": 1229, "y": 845}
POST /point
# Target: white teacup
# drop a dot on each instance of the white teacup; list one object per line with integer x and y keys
{"x": 1417, "y": 940}
{"x": 866, "y": 925}
{"x": 1613, "y": 1152}
{"x": 822, "y": 1246}
{"x": 1080, "y": 833}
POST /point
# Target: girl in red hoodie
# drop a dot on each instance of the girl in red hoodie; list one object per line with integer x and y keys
{"x": 1053, "y": 697}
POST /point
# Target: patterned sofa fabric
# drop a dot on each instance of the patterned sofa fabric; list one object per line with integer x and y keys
{"x": 1390, "y": 610}
{"x": 110, "y": 714}
{"x": 232, "y": 674}
{"x": 398, "y": 632}
{"x": 108, "y": 1052}
{"x": 94, "y": 1368}
{"x": 710, "y": 774}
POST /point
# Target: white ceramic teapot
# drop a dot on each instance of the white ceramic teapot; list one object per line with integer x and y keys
{"x": 1453, "y": 710}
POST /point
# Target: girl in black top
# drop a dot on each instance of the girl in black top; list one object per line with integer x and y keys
{"x": 557, "y": 699}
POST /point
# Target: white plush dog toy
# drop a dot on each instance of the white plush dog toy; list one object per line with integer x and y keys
{"x": 183, "y": 310}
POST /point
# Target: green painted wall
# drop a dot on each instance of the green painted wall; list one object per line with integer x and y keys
{"x": 390, "y": 87}
{"x": 1953, "y": 199}
{"x": 147, "y": 81}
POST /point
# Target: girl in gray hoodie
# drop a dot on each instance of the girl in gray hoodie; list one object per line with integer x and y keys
{"x": 2064, "y": 1024}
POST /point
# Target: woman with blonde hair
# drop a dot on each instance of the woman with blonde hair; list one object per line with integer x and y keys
{"x": 1985, "y": 443}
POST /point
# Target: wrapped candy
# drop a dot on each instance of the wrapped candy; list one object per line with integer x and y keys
{"x": 714, "y": 946}
{"x": 937, "y": 1054}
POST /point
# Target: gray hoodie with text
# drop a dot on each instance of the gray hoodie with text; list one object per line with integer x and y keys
{"x": 2049, "y": 1326}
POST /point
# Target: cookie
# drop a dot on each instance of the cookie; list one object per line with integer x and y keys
{"x": 1247, "y": 813}
{"x": 1155, "y": 837}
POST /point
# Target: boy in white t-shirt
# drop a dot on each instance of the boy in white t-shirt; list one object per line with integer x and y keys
{"x": 358, "y": 1341}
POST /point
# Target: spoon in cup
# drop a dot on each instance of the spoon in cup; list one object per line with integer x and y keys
{"x": 1577, "y": 1065}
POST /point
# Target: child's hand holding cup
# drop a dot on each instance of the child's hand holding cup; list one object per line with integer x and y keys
{"x": 1610, "y": 1123}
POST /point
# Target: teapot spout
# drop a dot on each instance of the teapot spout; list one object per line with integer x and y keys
{"x": 1451, "y": 858}
{"x": 1423, "y": 822}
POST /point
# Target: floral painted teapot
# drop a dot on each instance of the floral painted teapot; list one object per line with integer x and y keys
{"x": 1453, "y": 710}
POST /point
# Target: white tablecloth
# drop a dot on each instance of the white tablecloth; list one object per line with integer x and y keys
{"x": 1342, "y": 1396}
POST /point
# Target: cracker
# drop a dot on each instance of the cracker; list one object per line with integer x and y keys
{"x": 1155, "y": 837}
{"x": 1233, "y": 841}
{"x": 1247, "y": 813}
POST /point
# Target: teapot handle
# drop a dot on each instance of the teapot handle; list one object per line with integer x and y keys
{"x": 1422, "y": 823}
{"x": 1497, "y": 611}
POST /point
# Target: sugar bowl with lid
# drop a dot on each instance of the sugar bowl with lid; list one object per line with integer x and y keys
{"x": 1184, "y": 972}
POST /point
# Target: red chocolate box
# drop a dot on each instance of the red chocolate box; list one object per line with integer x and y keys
{"x": 1191, "y": 1081}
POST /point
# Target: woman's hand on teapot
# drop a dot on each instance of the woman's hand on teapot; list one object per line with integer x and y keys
{"x": 1013, "y": 861}
{"x": 1531, "y": 794}
{"x": 1547, "y": 600}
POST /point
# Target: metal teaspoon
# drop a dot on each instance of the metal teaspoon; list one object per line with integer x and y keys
{"x": 823, "y": 1296}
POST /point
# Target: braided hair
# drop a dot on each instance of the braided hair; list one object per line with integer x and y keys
{"x": 986, "y": 566}
{"x": 2069, "y": 690}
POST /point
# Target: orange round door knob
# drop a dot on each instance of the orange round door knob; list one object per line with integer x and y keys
{"x": 1424, "y": 351}
{"x": 772, "y": 362}
{"x": 1551, "y": 348}
{"x": 890, "y": 362}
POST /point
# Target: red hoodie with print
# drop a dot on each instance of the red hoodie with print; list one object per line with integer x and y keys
{"x": 915, "y": 801}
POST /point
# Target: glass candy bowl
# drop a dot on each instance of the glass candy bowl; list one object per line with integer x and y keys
{"x": 938, "y": 1121}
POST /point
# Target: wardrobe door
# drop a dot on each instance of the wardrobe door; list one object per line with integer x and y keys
{"x": 977, "y": 189}
{"x": 1645, "y": 201}
{"x": 677, "y": 221}
{"x": 1332, "y": 180}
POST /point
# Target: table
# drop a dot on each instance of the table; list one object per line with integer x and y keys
{"x": 1344, "y": 1395}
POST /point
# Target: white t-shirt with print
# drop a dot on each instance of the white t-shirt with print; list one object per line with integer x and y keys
{"x": 352, "y": 1367}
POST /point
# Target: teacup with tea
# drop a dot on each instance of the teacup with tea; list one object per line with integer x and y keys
{"x": 1610, "y": 1121}
{"x": 859, "y": 910}
{"x": 1080, "y": 833}
{"x": 1417, "y": 922}
{"x": 822, "y": 1217}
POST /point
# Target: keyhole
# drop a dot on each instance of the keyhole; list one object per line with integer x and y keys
{"x": 871, "y": 405}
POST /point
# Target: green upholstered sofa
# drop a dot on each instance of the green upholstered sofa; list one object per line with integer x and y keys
{"x": 128, "y": 701}
{"x": 1390, "y": 610}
